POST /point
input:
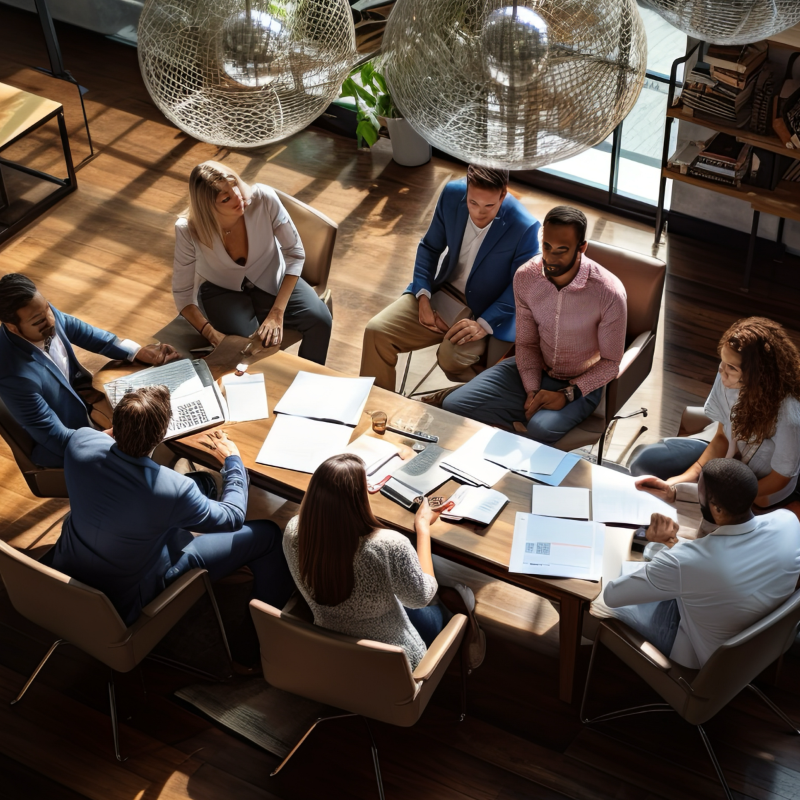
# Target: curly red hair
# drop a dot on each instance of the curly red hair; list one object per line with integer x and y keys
{"x": 770, "y": 374}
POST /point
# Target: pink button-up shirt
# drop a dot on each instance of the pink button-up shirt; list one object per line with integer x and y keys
{"x": 576, "y": 333}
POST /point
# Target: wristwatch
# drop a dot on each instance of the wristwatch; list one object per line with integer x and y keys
{"x": 569, "y": 393}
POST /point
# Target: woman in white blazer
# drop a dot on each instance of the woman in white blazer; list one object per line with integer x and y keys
{"x": 238, "y": 260}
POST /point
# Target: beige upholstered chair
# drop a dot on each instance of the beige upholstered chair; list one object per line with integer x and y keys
{"x": 43, "y": 482}
{"x": 84, "y": 617}
{"x": 643, "y": 279}
{"x": 697, "y": 695}
{"x": 359, "y": 676}
{"x": 318, "y": 234}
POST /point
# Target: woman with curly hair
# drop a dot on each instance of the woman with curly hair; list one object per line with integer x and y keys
{"x": 756, "y": 402}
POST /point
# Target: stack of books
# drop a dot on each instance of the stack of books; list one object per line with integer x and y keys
{"x": 723, "y": 160}
{"x": 793, "y": 173}
{"x": 722, "y": 89}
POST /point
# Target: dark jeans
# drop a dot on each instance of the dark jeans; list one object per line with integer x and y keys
{"x": 242, "y": 312}
{"x": 497, "y": 397}
{"x": 428, "y": 621}
{"x": 258, "y": 544}
{"x": 658, "y": 622}
{"x": 667, "y": 458}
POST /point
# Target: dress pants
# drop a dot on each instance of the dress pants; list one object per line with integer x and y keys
{"x": 497, "y": 397}
{"x": 667, "y": 458}
{"x": 397, "y": 330}
{"x": 241, "y": 313}
{"x": 258, "y": 544}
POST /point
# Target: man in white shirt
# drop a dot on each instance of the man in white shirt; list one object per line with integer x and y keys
{"x": 42, "y": 384}
{"x": 479, "y": 236}
{"x": 692, "y": 598}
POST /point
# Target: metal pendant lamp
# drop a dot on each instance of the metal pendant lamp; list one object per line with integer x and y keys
{"x": 729, "y": 22}
{"x": 244, "y": 73}
{"x": 515, "y": 84}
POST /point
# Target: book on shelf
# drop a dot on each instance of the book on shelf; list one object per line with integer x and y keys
{"x": 735, "y": 80}
{"x": 726, "y": 148}
{"x": 742, "y": 59}
{"x": 694, "y": 172}
{"x": 685, "y": 156}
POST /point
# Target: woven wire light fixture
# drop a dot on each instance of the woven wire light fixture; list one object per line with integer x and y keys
{"x": 244, "y": 73}
{"x": 729, "y": 21}
{"x": 515, "y": 84}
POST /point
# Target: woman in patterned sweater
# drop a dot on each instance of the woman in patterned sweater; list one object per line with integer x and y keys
{"x": 360, "y": 579}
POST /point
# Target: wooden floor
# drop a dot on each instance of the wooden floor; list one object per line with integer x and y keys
{"x": 105, "y": 255}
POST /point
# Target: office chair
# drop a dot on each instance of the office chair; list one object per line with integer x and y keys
{"x": 698, "y": 695}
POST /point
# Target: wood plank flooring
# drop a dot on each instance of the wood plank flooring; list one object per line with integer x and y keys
{"x": 105, "y": 255}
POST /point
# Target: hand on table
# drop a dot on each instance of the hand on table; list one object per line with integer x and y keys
{"x": 218, "y": 442}
{"x": 157, "y": 354}
{"x": 542, "y": 398}
{"x": 655, "y": 486}
{"x": 662, "y": 529}
{"x": 465, "y": 330}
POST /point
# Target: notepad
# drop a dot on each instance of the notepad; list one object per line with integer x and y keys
{"x": 475, "y": 504}
{"x": 246, "y": 395}
{"x": 374, "y": 452}
{"x": 553, "y": 501}
{"x": 302, "y": 444}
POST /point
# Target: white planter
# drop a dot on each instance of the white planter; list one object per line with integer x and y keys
{"x": 409, "y": 149}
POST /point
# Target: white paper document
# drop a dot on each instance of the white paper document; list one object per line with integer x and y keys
{"x": 476, "y": 504}
{"x": 374, "y": 452}
{"x": 246, "y": 395}
{"x": 615, "y": 498}
{"x": 326, "y": 397}
{"x": 564, "y": 468}
{"x": 522, "y": 455}
{"x": 302, "y": 444}
{"x": 469, "y": 462}
{"x": 553, "y": 501}
{"x": 562, "y": 548}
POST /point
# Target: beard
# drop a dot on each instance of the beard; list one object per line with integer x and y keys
{"x": 707, "y": 515}
{"x": 557, "y": 272}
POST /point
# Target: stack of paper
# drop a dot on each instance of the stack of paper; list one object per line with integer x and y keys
{"x": 469, "y": 464}
{"x": 552, "y": 501}
{"x": 615, "y": 498}
{"x": 246, "y": 395}
{"x": 380, "y": 456}
{"x": 563, "y": 548}
{"x": 313, "y": 420}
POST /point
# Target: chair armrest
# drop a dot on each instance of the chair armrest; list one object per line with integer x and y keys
{"x": 632, "y": 350}
{"x": 637, "y": 642}
{"x": 440, "y": 647}
{"x": 172, "y": 591}
{"x": 637, "y": 360}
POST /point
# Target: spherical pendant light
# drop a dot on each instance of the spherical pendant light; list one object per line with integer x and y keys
{"x": 244, "y": 73}
{"x": 515, "y": 84}
{"x": 729, "y": 21}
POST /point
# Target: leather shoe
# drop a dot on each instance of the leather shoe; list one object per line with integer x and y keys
{"x": 437, "y": 398}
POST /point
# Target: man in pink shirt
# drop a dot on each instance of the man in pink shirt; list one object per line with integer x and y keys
{"x": 571, "y": 321}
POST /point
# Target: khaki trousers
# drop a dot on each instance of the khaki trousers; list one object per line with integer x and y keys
{"x": 397, "y": 330}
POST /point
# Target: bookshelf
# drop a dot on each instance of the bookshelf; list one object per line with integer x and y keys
{"x": 783, "y": 201}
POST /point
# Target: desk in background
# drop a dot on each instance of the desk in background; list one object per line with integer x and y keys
{"x": 486, "y": 550}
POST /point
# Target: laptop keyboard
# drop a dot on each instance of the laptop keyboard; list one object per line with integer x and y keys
{"x": 187, "y": 416}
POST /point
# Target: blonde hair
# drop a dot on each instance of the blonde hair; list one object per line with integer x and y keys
{"x": 204, "y": 186}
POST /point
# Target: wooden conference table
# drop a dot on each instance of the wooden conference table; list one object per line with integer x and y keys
{"x": 486, "y": 550}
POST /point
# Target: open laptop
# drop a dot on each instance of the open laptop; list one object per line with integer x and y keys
{"x": 196, "y": 400}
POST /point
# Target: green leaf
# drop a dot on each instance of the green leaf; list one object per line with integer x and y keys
{"x": 381, "y": 81}
{"x": 366, "y": 131}
{"x": 384, "y": 107}
{"x": 367, "y": 71}
{"x": 368, "y": 98}
{"x": 348, "y": 89}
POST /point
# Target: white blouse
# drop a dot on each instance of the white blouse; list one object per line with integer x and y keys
{"x": 387, "y": 576}
{"x": 274, "y": 249}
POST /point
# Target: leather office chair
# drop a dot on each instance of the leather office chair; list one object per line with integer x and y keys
{"x": 361, "y": 677}
{"x": 85, "y": 617}
{"x": 643, "y": 279}
{"x": 43, "y": 482}
{"x": 697, "y": 695}
{"x": 318, "y": 234}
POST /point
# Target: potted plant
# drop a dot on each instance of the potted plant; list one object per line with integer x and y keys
{"x": 373, "y": 102}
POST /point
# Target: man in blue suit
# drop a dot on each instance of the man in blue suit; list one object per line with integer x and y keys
{"x": 129, "y": 531}
{"x": 479, "y": 237}
{"x": 42, "y": 383}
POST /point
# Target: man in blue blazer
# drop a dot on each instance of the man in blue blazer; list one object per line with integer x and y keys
{"x": 129, "y": 531}
{"x": 42, "y": 383}
{"x": 479, "y": 237}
